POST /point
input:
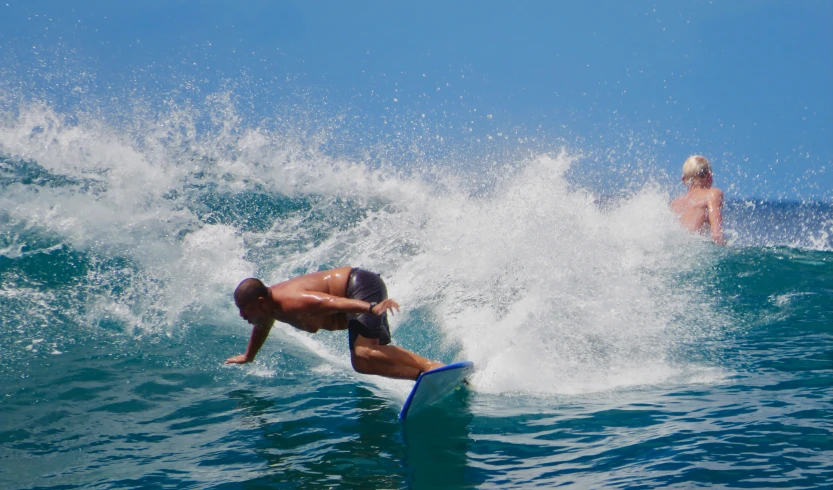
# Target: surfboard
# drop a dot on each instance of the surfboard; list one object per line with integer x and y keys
{"x": 432, "y": 386}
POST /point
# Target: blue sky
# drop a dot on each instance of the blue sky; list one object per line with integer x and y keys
{"x": 644, "y": 84}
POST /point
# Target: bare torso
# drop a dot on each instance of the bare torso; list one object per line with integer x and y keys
{"x": 700, "y": 211}
{"x": 692, "y": 209}
{"x": 332, "y": 282}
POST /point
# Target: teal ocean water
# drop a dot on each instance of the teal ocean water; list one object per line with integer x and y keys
{"x": 612, "y": 349}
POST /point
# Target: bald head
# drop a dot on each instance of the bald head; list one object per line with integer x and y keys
{"x": 249, "y": 290}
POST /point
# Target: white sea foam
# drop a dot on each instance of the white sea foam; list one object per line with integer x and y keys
{"x": 545, "y": 292}
{"x": 545, "y": 288}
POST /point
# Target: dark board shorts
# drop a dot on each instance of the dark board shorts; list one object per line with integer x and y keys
{"x": 367, "y": 286}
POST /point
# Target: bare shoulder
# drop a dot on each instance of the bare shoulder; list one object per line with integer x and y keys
{"x": 715, "y": 195}
{"x": 281, "y": 291}
{"x": 678, "y": 204}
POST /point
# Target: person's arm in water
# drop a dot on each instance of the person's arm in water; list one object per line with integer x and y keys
{"x": 715, "y": 203}
{"x": 259, "y": 335}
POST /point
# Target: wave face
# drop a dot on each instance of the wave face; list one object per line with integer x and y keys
{"x": 123, "y": 241}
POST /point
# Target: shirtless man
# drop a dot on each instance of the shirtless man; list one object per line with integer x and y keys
{"x": 338, "y": 299}
{"x": 699, "y": 209}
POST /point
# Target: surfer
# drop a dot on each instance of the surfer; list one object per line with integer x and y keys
{"x": 700, "y": 209}
{"x": 339, "y": 299}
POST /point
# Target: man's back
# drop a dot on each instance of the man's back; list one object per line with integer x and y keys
{"x": 699, "y": 211}
{"x": 692, "y": 208}
{"x": 332, "y": 282}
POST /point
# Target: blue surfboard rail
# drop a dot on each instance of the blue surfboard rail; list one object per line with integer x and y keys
{"x": 467, "y": 365}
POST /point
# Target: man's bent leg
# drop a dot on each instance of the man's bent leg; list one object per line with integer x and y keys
{"x": 368, "y": 357}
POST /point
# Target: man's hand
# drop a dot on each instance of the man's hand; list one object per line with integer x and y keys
{"x": 241, "y": 359}
{"x": 385, "y": 305}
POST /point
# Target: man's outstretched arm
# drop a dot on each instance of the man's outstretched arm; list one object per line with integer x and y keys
{"x": 259, "y": 335}
{"x": 316, "y": 303}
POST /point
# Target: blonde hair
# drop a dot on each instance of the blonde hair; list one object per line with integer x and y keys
{"x": 695, "y": 167}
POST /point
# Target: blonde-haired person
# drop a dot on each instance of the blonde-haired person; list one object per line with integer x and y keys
{"x": 700, "y": 209}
